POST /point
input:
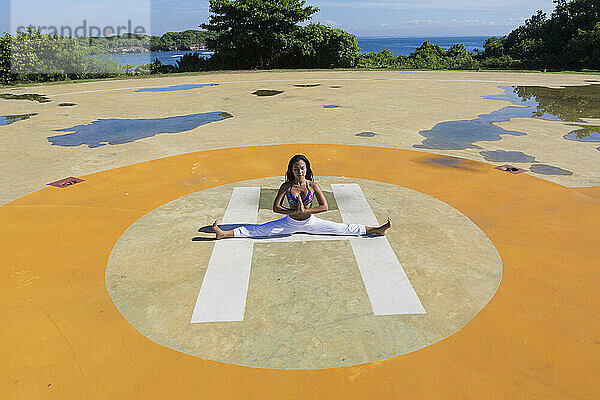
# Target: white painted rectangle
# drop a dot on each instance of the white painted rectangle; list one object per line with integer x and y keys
{"x": 387, "y": 285}
{"x": 243, "y": 206}
{"x": 224, "y": 289}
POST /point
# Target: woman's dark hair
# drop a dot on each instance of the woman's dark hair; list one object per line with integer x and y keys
{"x": 289, "y": 175}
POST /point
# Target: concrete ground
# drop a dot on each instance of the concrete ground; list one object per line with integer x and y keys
{"x": 101, "y": 277}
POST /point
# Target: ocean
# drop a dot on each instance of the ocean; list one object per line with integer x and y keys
{"x": 407, "y": 45}
{"x": 398, "y": 46}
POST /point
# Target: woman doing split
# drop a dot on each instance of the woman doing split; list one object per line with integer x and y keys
{"x": 300, "y": 190}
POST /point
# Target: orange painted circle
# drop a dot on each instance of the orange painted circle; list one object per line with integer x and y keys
{"x": 65, "y": 339}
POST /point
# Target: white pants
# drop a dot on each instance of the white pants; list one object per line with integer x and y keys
{"x": 287, "y": 225}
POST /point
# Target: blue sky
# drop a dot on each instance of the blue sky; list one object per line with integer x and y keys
{"x": 362, "y": 18}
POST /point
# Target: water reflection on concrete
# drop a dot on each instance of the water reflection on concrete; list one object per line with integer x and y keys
{"x": 40, "y": 98}
{"x": 366, "y": 134}
{"x": 507, "y": 156}
{"x": 548, "y": 170}
{"x": 9, "y": 119}
{"x": 188, "y": 86}
{"x": 118, "y": 131}
{"x": 571, "y": 103}
{"x": 267, "y": 92}
{"x": 584, "y": 135}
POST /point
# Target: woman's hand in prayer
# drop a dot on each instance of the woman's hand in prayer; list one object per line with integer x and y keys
{"x": 300, "y": 208}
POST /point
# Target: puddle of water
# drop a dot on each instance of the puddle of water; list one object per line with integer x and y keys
{"x": 460, "y": 135}
{"x": 585, "y": 134}
{"x": 335, "y": 87}
{"x": 9, "y": 119}
{"x": 331, "y": 106}
{"x": 570, "y": 103}
{"x": 40, "y": 98}
{"x": 67, "y": 104}
{"x": 565, "y": 104}
{"x": 366, "y": 134}
{"x": 187, "y": 86}
{"x": 267, "y": 92}
{"x": 548, "y": 170}
{"x": 119, "y": 131}
{"x": 308, "y": 85}
{"x": 507, "y": 156}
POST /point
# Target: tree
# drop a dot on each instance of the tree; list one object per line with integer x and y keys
{"x": 569, "y": 39}
{"x": 254, "y": 33}
{"x": 384, "y": 59}
{"x": 5, "y": 75}
{"x": 320, "y": 46}
{"x": 33, "y": 56}
{"x": 191, "y": 62}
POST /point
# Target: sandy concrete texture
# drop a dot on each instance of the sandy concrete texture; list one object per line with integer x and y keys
{"x": 395, "y": 108}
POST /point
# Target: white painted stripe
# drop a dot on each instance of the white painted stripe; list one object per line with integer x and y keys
{"x": 353, "y": 205}
{"x": 224, "y": 289}
{"x": 243, "y": 206}
{"x": 387, "y": 285}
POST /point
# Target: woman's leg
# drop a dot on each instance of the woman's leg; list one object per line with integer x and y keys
{"x": 282, "y": 226}
{"x": 221, "y": 234}
{"x": 287, "y": 226}
{"x": 324, "y": 227}
{"x": 379, "y": 230}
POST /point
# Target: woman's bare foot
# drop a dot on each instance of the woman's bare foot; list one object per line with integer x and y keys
{"x": 221, "y": 234}
{"x": 380, "y": 230}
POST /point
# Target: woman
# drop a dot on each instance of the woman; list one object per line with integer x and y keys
{"x": 300, "y": 190}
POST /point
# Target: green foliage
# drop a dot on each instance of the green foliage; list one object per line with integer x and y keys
{"x": 184, "y": 41}
{"x": 115, "y": 43}
{"x": 569, "y": 39}
{"x": 191, "y": 62}
{"x": 40, "y": 57}
{"x": 584, "y": 48}
{"x": 502, "y": 62}
{"x": 254, "y": 33}
{"x": 320, "y": 46}
{"x": 157, "y": 67}
{"x": 5, "y": 75}
{"x": 493, "y": 47}
{"x": 427, "y": 56}
{"x": 385, "y": 59}
{"x": 35, "y": 57}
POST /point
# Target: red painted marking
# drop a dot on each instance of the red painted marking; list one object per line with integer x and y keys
{"x": 510, "y": 168}
{"x": 63, "y": 183}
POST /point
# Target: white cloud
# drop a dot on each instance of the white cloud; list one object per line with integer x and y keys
{"x": 332, "y": 23}
{"x": 441, "y": 5}
{"x": 421, "y": 22}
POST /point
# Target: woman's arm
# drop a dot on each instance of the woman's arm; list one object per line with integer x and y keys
{"x": 323, "y": 206}
{"x": 278, "y": 202}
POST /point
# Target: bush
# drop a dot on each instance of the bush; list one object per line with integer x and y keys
{"x": 35, "y": 57}
{"x": 502, "y": 62}
{"x": 320, "y": 46}
{"x": 5, "y": 75}
{"x": 191, "y": 62}
{"x": 384, "y": 59}
{"x": 157, "y": 67}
